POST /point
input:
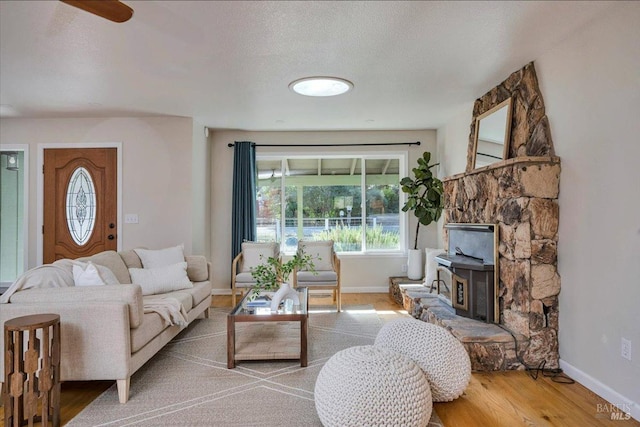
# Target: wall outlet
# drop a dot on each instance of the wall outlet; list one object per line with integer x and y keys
{"x": 625, "y": 348}
{"x": 404, "y": 268}
{"x": 131, "y": 219}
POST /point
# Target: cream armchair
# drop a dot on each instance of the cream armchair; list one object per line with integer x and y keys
{"x": 253, "y": 254}
{"x": 327, "y": 266}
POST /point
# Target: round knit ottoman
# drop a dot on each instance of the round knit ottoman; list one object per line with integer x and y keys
{"x": 441, "y": 356}
{"x": 371, "y": 386}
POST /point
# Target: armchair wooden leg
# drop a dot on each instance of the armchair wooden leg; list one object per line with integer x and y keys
{"x": 233, "y": 298}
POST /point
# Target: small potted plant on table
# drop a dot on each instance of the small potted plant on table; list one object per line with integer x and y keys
{"x": 274, "y": 275}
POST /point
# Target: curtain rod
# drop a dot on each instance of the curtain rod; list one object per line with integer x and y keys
{"x": 329, "y": 145}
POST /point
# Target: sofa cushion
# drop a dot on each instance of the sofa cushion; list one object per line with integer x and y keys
{"x": 244, "y": 278}
{"x": 160, "y": 280}
{"x": 131, "y": 259}
{"x": 320, "y": 277}
{"x": 113, "y": 262}
{"x": 151, "y": 327}
{"x": 198, "y": 293}
{"x": 197, "y": 268}
{"x": 153, "y": 258}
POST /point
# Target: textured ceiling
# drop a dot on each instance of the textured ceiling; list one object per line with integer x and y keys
{"x": 228, "y": 64}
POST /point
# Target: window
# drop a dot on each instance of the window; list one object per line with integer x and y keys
{"x": 81, "y": 206}
{"x": 353, "y": 200}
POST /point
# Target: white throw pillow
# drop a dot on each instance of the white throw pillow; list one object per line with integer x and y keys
{"x": 321, "y": 253}
{"x": 161, "y": 257}
{"x": 255, "y": 254}
{"x": 87, "y": 275}
{"x": 160, "y": 280}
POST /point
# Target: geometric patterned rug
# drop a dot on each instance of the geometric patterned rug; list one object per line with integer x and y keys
{"x": 188, "y": 384}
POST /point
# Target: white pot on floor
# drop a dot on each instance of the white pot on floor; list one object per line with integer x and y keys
{"x": 415, "y": 264}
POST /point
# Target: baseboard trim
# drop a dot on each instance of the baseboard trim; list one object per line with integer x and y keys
{"x": 349, "y": 290}
{"x": 366, "y": 290}
{"x": 602, "y": 390}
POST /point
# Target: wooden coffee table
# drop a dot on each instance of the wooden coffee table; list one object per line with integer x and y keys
{"x": 266, "y": 340}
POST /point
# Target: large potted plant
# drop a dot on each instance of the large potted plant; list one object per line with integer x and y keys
{"x": 274, "y": 274}
{"x": 425, "y": 200}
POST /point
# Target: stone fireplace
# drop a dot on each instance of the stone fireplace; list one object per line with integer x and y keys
{"x": 519, "y": 196}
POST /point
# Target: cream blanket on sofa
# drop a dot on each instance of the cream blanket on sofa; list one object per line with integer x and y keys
{"x": 170, "y": 309}
{"x": 56, "y": 275}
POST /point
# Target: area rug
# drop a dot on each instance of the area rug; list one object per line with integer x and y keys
{"x": 188, "y": 384}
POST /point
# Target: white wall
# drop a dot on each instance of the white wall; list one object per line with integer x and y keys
{"x": 453, "y": 140}
{"x": 360, "y": 273}
{"x": 157, "y": 159}
{"x": 591, "y": 88}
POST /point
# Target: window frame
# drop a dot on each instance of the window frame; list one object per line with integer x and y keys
{"x": 402, "y": 157}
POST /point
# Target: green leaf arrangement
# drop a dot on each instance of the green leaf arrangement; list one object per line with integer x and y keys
{"x": 270, "y": 275}
{"x": 424, "y": 194}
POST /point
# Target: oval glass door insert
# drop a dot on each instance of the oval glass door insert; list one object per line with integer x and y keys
{"x": 81, "y": 206}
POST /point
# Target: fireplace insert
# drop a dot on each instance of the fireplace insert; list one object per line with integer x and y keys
{"x": 471, "y": 258}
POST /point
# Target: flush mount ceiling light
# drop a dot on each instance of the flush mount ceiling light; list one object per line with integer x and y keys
{"x": 321, "y": 86}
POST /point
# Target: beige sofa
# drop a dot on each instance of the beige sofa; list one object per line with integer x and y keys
{"x": 108, "y": 332}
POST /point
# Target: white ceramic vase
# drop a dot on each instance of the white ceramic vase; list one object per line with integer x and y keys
{"x": 285, "y": 292}
{"x": 414, "y": 264}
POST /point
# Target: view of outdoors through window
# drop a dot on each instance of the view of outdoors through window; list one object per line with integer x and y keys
{"x": 330, "y": 199}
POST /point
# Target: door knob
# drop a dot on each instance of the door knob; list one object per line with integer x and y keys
{"x": 111, "y": 237}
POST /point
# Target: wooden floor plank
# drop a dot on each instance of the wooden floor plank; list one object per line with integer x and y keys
{"x": 493, "y": 399}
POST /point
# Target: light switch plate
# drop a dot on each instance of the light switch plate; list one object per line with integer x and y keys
{"x": 131, "y": 218}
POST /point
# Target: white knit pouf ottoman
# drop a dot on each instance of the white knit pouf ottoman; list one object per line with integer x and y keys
{"x": 441, "y": 356}
{"x": 371, "y": 386}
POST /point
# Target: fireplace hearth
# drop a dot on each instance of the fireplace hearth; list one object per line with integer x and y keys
{"x": 471, "y": 259}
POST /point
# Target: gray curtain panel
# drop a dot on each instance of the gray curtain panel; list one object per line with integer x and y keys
{"x": 243, "y": 213}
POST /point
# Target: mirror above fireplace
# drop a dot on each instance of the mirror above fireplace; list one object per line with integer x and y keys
{"x": 492, "y": 132}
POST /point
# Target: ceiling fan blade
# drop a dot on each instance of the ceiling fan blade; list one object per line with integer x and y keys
{"x": 113, "y": 10}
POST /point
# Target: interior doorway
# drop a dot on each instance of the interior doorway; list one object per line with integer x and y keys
{"x": 14, "y": 188}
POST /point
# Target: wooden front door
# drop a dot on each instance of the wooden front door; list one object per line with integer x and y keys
{"x": 80, "y": 202}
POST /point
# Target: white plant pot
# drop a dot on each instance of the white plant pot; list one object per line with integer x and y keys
{"x": 415, "y": 264}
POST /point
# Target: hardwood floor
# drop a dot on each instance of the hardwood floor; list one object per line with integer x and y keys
{"x": 493, "y": 399}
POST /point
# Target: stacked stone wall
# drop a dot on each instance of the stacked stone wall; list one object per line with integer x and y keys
{"x": 520, "y": 195}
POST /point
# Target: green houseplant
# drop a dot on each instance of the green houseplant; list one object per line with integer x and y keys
{"x": 425, "y": 199}
{"x": 273, "y": 276}
{"x": 270, "y": 275}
